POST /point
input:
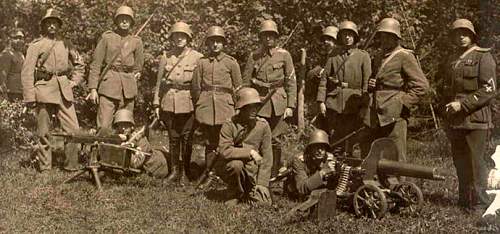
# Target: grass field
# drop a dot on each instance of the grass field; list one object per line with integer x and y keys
{"x": 39, "y": 203}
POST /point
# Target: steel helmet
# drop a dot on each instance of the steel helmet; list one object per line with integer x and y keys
{"x": 464, "y": 23}
{"x": 52, "y": 14}
{"x": 181, "y": 27}
{"x": 268, "y": 26}
{"x": 331, "y": 31}
{"x": 390, "y": 25}
{"x": 124, "y": 115}
{"x": 349, "y": 25}
{"x": 125, "y": 10}
{"x": 216, "y": 31}
{"x": 246, "y": 96}
{"x": 318, "y": 136}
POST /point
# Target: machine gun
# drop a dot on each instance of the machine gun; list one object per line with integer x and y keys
{"x": 89, "y": 138}
{"x": 372, "y": 185}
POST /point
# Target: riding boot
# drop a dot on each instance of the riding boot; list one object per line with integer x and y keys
{"x": 187, "y": 148}
{"x": 277, "y": 163}
{"x": 175, "y": 149}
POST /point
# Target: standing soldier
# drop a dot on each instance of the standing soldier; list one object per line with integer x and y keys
{"x": 469, "y": 86}
{"x": 115, "y": 87}
{"x": 398, "y": 85}
{"x": 329, "y": 49}
{"x": 51, "y": 70}
{"x": 215, "y": 77}
{"x": 172, "y": 98}
{"x": 344, "y": 81}
{"x": 245, "y": 146}
{"x": 11, "y": 63}
{"x": 270, "y": 71}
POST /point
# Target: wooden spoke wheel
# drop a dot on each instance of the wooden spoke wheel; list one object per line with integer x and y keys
{"x": 370, "y": 201}
{"x": 411, "y": 195}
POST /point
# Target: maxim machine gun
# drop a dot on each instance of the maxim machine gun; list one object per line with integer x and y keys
{"x": 372, "y": 186}
{"x": 102, "y": 154}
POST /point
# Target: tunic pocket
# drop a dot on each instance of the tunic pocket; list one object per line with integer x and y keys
{"x": 480, "y": 116}
{"x": 471, "y": 83}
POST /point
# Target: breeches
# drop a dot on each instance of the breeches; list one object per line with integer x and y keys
{"x": 107, "y": 108}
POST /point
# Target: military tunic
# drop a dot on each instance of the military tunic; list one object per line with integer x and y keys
{"x": 400, "y": 85}
{"x": 341, "y": 87}
{"x": 11, "y": 64}
{"x": 53, "y": 94}
{"x": 154, "y": 165}
{"x": 240, "y": 171}
{"x": 469, "y": 78}
{"x": 118, "y": 88}
{"x": 304, "y": 177}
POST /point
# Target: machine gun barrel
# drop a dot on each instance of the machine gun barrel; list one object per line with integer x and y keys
{"x": 89, "y": 139}
{"x": 395, "y": 168}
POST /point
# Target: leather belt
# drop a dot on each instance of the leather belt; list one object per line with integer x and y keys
{"x": 179, "y": 86}
{"x": 270, "y": 85}
{"x": 122, "y": 68}
{"x": 387, "y": 87}
{"x": 214, "y": 88}
{"x": 42, "y": 74}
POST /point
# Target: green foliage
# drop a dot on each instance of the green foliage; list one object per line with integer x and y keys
{"x": 16, "y": 125}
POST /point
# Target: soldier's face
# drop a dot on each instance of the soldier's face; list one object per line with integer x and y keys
{"x": 124, "y": 128}
{"x": 215, "y": 44}
{"x": 124, "y": 22}
{"x": 318, "y": 152}
{"x": 462, "y": 37}
{"x": 180, "y": 39}
{"x": 268, "y": 39}
{"x": 329, "y": 43}
{"x": 347, "y": 37}
{"x": 51, "y": 26}
{"x": 387, "y": 40}
{"x": 249, "y": 111}
{"x": 17, "y": 42}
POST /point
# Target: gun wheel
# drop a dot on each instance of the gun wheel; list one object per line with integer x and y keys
{"x": 370, "y": 201}
{"x": 411, "y": 195}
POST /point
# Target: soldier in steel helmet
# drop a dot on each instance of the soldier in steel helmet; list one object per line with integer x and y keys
{"x": 146, "y": 159}
{"x": 215, "y": 78}
{"x": 328, "y": 49}
{"x": 245, "y": 146}
{"x": 51, "y": 69}
{"x": 172, "y": 98}
{"x": 11, "y": 64}
{"x": 342, "y": 85}
{"x": 469, "y": 85}
{"x": 270, "y": 69}
{"x": 310, "y": 170}
{"x": 122, "y": 52}
{"x": 398, "y": 84}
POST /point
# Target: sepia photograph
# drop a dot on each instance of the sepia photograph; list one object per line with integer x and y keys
{"x": 249, "y": 116}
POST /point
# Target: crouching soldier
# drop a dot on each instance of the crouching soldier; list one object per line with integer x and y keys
{"x": 310, "y": 171}
{"x": 245, "y": 146}
{"x": 147, "y": 159}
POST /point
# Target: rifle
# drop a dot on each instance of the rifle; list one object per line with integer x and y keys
{"x": 203, "y": 182}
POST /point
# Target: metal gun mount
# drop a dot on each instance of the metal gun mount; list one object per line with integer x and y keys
{"x": 372, "y": 185}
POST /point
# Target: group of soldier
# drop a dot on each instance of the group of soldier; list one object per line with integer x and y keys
{"x": 243, "y": 114}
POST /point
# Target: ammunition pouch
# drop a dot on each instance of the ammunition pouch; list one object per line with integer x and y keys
{"x": 213, "y": 88}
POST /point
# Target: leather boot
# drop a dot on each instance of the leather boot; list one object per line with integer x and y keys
{"x": 276, "y": 161}
{"x": 174, "y": 159}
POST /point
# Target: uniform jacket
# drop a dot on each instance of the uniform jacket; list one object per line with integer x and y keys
{"x": 167, "y": 96}
{"x": 215, "y": 107}
{"x": 305, "y": 177}
{"x": 268, "y": 67}
{"x": 11, "y": 64}
{"x": 352, "y": 69}
{"x": 400, "y": 84}
{"x": 61, "y": 58}
{"x": 471, "y": 80}
{"x": 119, "y": 80}
{"x": 258, "y": 139}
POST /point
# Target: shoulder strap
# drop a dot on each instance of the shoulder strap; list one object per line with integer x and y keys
{"x": 45, "y": 56}
{"x": 467, "y": 52}
{"x": 177, "y": 63}
{"x": 388, "y": 59}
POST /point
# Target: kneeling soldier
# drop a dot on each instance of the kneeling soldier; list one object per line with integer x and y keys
{"x": 245, "y": 146}
{"x": 153, "y": 164}
{"x": 310, "y": 171}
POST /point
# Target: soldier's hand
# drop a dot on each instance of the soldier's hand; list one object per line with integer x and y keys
{"x": 256, "y": 157}
{"x": 326, "y": 172}
{"x": 372, "y": 83}
{"x": 288, "y": 113}
{"x": 322, "y": 108}
{"x": 93, "y": 96}
{"x": 453, "y": 107}
{"x": 137, "y": 76}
